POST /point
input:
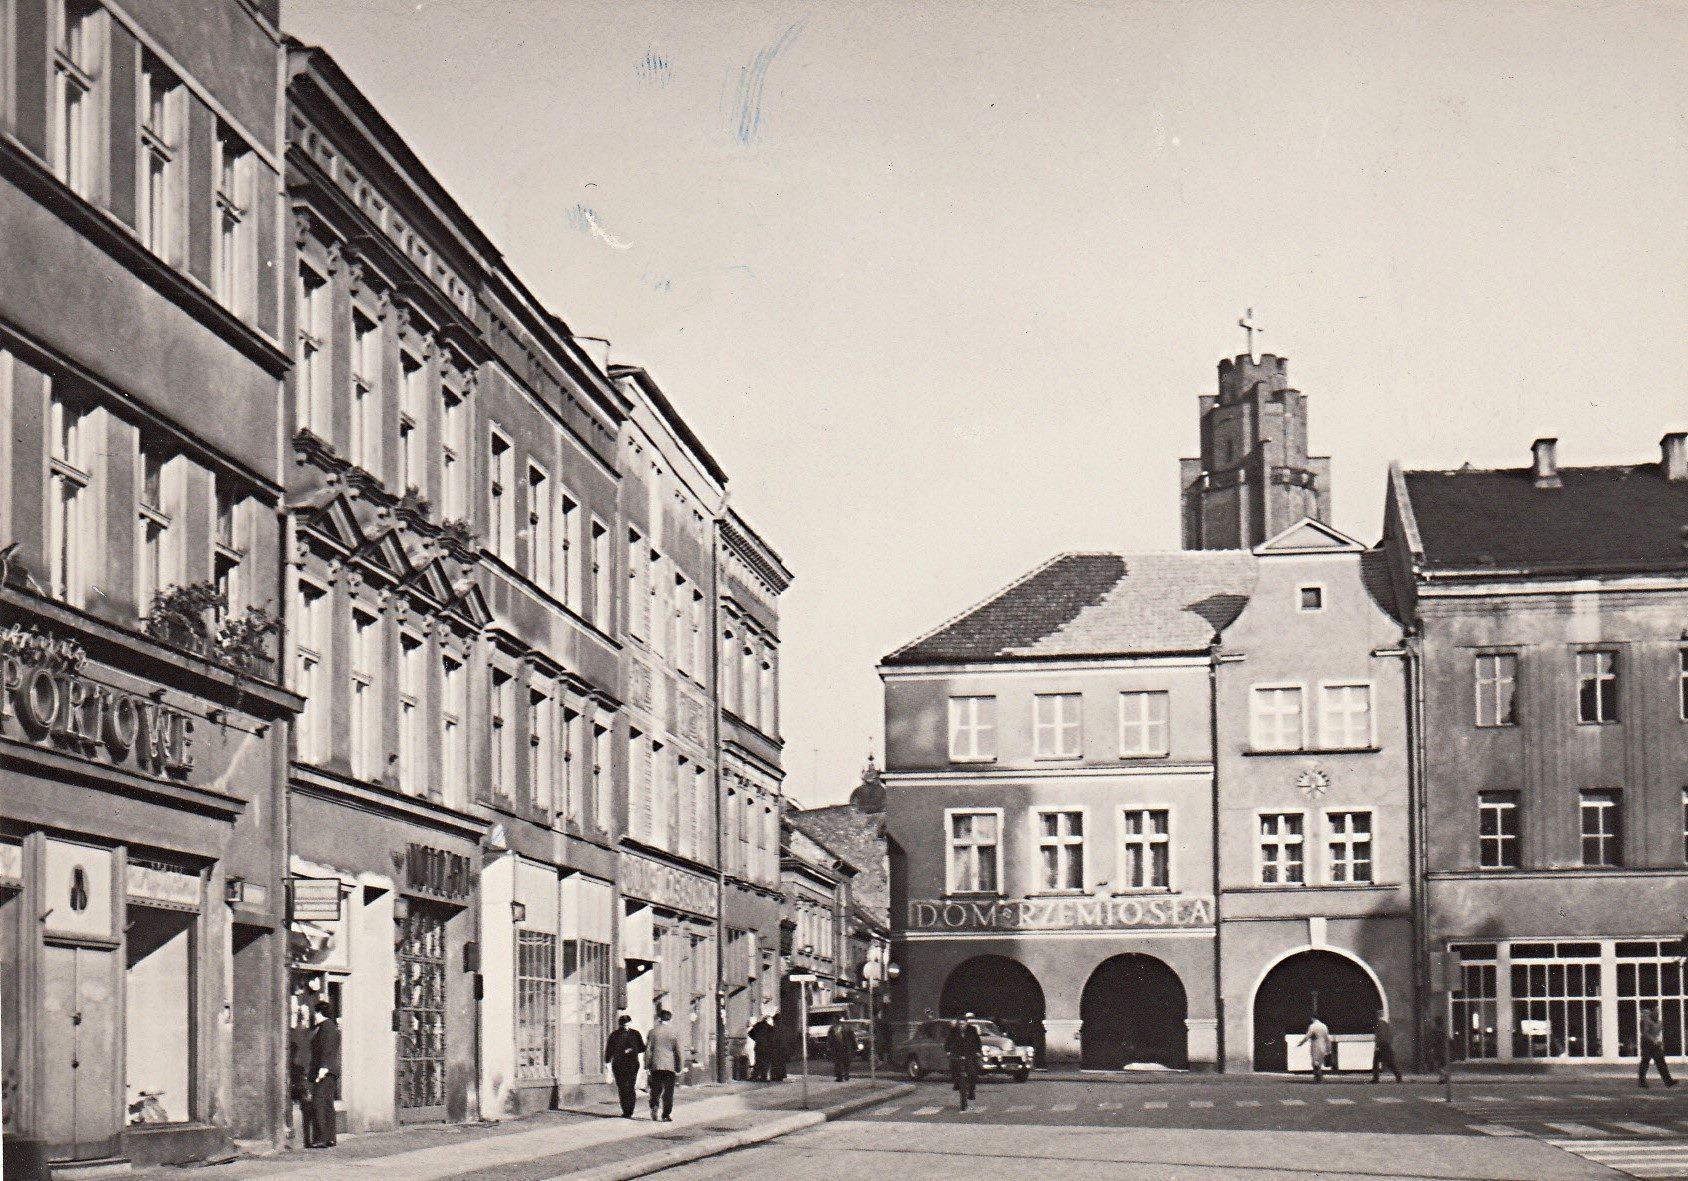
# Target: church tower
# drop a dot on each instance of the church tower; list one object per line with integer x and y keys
{"x": 1254, "y": 478}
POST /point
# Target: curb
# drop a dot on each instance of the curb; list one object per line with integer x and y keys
{"x": 655, "y": 1162}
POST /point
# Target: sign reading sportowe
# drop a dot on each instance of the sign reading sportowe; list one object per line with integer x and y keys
{"x": 1060, "y": 914}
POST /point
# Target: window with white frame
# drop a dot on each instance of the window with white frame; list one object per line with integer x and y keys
{"x": 413, "y": 397}
{"x": 78, "y": 63}
{"x": 603, "y": 563}
{"x": 542, "y": 769}
{"x": 366, "y": 392}
{"x": 1276, "y": 718}
{"x": 541, "y": 527}
{"x": 1283, "y": 848}
{"x": 159, "y": 195}
{"x": 1348, "y": 847}
{"x": 1146, "y": 849}
{"x": 454, "y": 455}
{"x": 501, "y": 494}
{"x": 1060, "y": 847}
{"x": 413, "y": 682}
{"x": 501, "y": 728}
{"x": 310, "y": 359}
{"x": 1144, "y": 729}
{"x": 1597, "y": 687}
{"x": 454, "y": 718}
{"x": 310, "y": 638}
{"x": 1345, "y": 716}
{"x": 972, "y": 729}
{"x": 1497, "y": 830}
{"x": 70, "y": 496}
{"x": 1496, "y": 677}
{"x": 233, "y": 265}
{"x": 975, "y": 852}
{"x": 365, "y": 719}
{"x": 156, "y": 503}
{"x": 1602, "y": 828}
{"x": 228, "y": 549}
{"x": 1057, "y": 725}
{"x": 566, "y": 572}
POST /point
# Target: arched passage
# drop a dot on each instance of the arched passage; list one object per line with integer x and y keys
{"x": 1338, "y": 988}
{"x": 1133, "y": 1010}
{"x": 1000, "y": 989}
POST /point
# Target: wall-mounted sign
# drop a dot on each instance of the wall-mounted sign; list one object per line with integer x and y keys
{"x": 316, "y": 899}
{"x": 76, "y": 890}
{"x": 161, "y": 885}
{"x": 45, "y": 694}
{"x": 444, "y": 874}
{"x": 667, "y": 886}
{"x": 1060, "y": 914}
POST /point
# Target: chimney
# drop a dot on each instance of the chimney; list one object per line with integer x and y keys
{"x": 1545, "y": 467}
{"x": 1673, "y": 455}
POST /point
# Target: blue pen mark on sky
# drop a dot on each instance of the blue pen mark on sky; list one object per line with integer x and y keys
{"x": 747, "y": 119}
{"x": 654, "y": 68}
{"x": 584, "y": 219}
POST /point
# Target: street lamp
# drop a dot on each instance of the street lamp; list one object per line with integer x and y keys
{"x": 878, "y": 967}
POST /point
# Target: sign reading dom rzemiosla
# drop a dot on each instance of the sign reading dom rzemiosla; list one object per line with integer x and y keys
{"x": 1059, "y": 914}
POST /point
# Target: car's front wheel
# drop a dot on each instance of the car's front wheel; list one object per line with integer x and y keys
{"x": 913, "y": 1069}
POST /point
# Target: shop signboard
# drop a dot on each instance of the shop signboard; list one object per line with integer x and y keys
{"x": 316, "y": 899}
{"x": 668, "y": 886}
{"x": 161, "y": 885}
{"x": 1060, "y": 914}
{"x": 439, "y": 873}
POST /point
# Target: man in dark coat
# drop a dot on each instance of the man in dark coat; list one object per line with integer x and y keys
{"x": 622, "y": 1052}
{"x": 763, "y": 1035}
{"x": 839, "y": 1043}
{"x": 299, "y": 1062}
{"x": 964, "y": 1048}
{"x": 1383, "y": 1050}
{"x": 325, "y": 1078}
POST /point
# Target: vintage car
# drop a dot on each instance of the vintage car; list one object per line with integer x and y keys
{"x": 925, "y": 1055}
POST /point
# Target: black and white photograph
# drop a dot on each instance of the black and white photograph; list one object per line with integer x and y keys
{"x": 938, "y": 589}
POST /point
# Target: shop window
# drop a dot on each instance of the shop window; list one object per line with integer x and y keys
{"x": 158, "y": 1025}
{"x": 587, "y": 990}
{"x": 1556, "y": 1002}
{"x": 420, "y": 1008}
{"x": 1472, "y": 1007}
{"x": 1651, "y": 976}
{"x": 536, "y": 1005}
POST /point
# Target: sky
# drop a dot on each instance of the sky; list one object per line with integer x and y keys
{"x": 940, "y": 283}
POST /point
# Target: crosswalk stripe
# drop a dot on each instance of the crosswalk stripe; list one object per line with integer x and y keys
{"x": 1340, "y": 1102}
{"x": 1387, "y": 1099}
{"x": 927, "y": 1110}
{"x": 1594, "y": 1098}
{"x": 1434, "y": 1098}
{"x": 1486, "y": 1098}
{"x": 1110, "y": 1106}
{"x": 1640, "y": 1129}
{"x": 1021, "y": 1107}
{"x": 1538, "y": 1098}
{"x": 1577, "y": 1130}
{"x": 1154, "y": 1106}
{"x": 1248, "y": 1103}
{"x": 1064, "y": 1107}
{"x": 1201, "y": 1103}
{"x": 1496, "y": 1130}
{"x": 1293, "y": 1102}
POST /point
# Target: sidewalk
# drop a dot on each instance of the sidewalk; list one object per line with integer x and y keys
{"x": 584, "y": 1144}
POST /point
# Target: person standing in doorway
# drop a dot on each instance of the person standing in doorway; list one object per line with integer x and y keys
{"x": 1317, "y": 1039}
{"x": 320, "y": 1131}
{"x": 621, "y": 1052}
{"x": 299, "y": 1064}
{"x": 838, "y": 1044}
{"x": 1383, "y": 1050}
{"x": 663, "y": 1062}
{"x": 963, "y": 1047}
{"x": 762, "y": 1038}
{"x": 1653, "y": 1047}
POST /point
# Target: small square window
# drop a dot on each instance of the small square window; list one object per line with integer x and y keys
{"x": 1311, "y": 598}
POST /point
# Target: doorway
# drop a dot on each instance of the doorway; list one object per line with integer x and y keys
{"x": 1001, "y": 990}
{"x": 1133, "y": 1011}
{"x": 1334, "y": 986}
{"x": 79, "y": 1115}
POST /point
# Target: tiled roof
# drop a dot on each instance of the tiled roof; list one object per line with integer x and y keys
{"x": 859, "y": 838}
{"x": 1098, "y": 605}
{"x": 1615, "y": 518}
{"x": 1374, "y": 575}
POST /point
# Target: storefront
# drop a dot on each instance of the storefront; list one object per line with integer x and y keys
{"x": 140, "y": 896}
{"x": 668, "y": 941}
{"x": 384, "y": 929}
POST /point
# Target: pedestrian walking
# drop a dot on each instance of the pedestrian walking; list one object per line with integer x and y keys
{"x": 763, "y": 1035}
{"x": 320, "y": 1131}
{"x": 1436, "y": 1049}
{"x": 1317, "y": 1039}
{"x": 662, "y": 1063}
{"x": 1383, "y": 1050}
{"x": 621, "y": 1054}
{"x": 299, "y": 1064}
{"x": 1653, "y": 1047}
{"x": 964, "y": 1049}
{"x": 781, "y": 1054}
{"x": 839, "y": 1043}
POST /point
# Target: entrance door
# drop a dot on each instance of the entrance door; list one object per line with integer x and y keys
{"x": 421, "y": 1014}
{"x": 1133, "y": 1010}
{"x": 79, "y": 1118}
{"x": 1323, "y": 982}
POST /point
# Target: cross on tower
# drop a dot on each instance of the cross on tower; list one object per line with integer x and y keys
{"x": 1248, "y": 325}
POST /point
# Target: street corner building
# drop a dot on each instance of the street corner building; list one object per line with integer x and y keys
{"x": 1554, "y": 696}
{"x": 144, "y": 732}
{"x": 1152, "y": 809}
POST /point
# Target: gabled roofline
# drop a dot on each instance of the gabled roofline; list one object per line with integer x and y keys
{"x": 1346, "y": 544}
{"x": 1404, "y": 505}
{"x": 670, "y": 417}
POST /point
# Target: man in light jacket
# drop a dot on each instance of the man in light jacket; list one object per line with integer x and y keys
{"x": 1317, "y": 1039}
{"x": 662, "y": 1063}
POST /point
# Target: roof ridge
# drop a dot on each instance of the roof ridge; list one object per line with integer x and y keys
{"x": 991, "y": 598}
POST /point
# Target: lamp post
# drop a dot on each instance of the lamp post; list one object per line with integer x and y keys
{"x": 878, "y": 967}
{"x": 803, "y": 980}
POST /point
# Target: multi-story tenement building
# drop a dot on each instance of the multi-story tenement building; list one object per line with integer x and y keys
{"x": 750, "y": 579}
{"x": 815, "y": 930}
{"x": 1050, "y": 809}
{"x": 1553, "y": 685}
{"x": 1315, "y": 866}
{"x": 143, "y": 736}
{"x": 454, "y": 628}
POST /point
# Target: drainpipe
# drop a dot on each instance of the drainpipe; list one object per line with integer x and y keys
{"x": 1413, "y": 643}
{"x": 1213, "y": 856}
{"x": 715, "y": 748}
